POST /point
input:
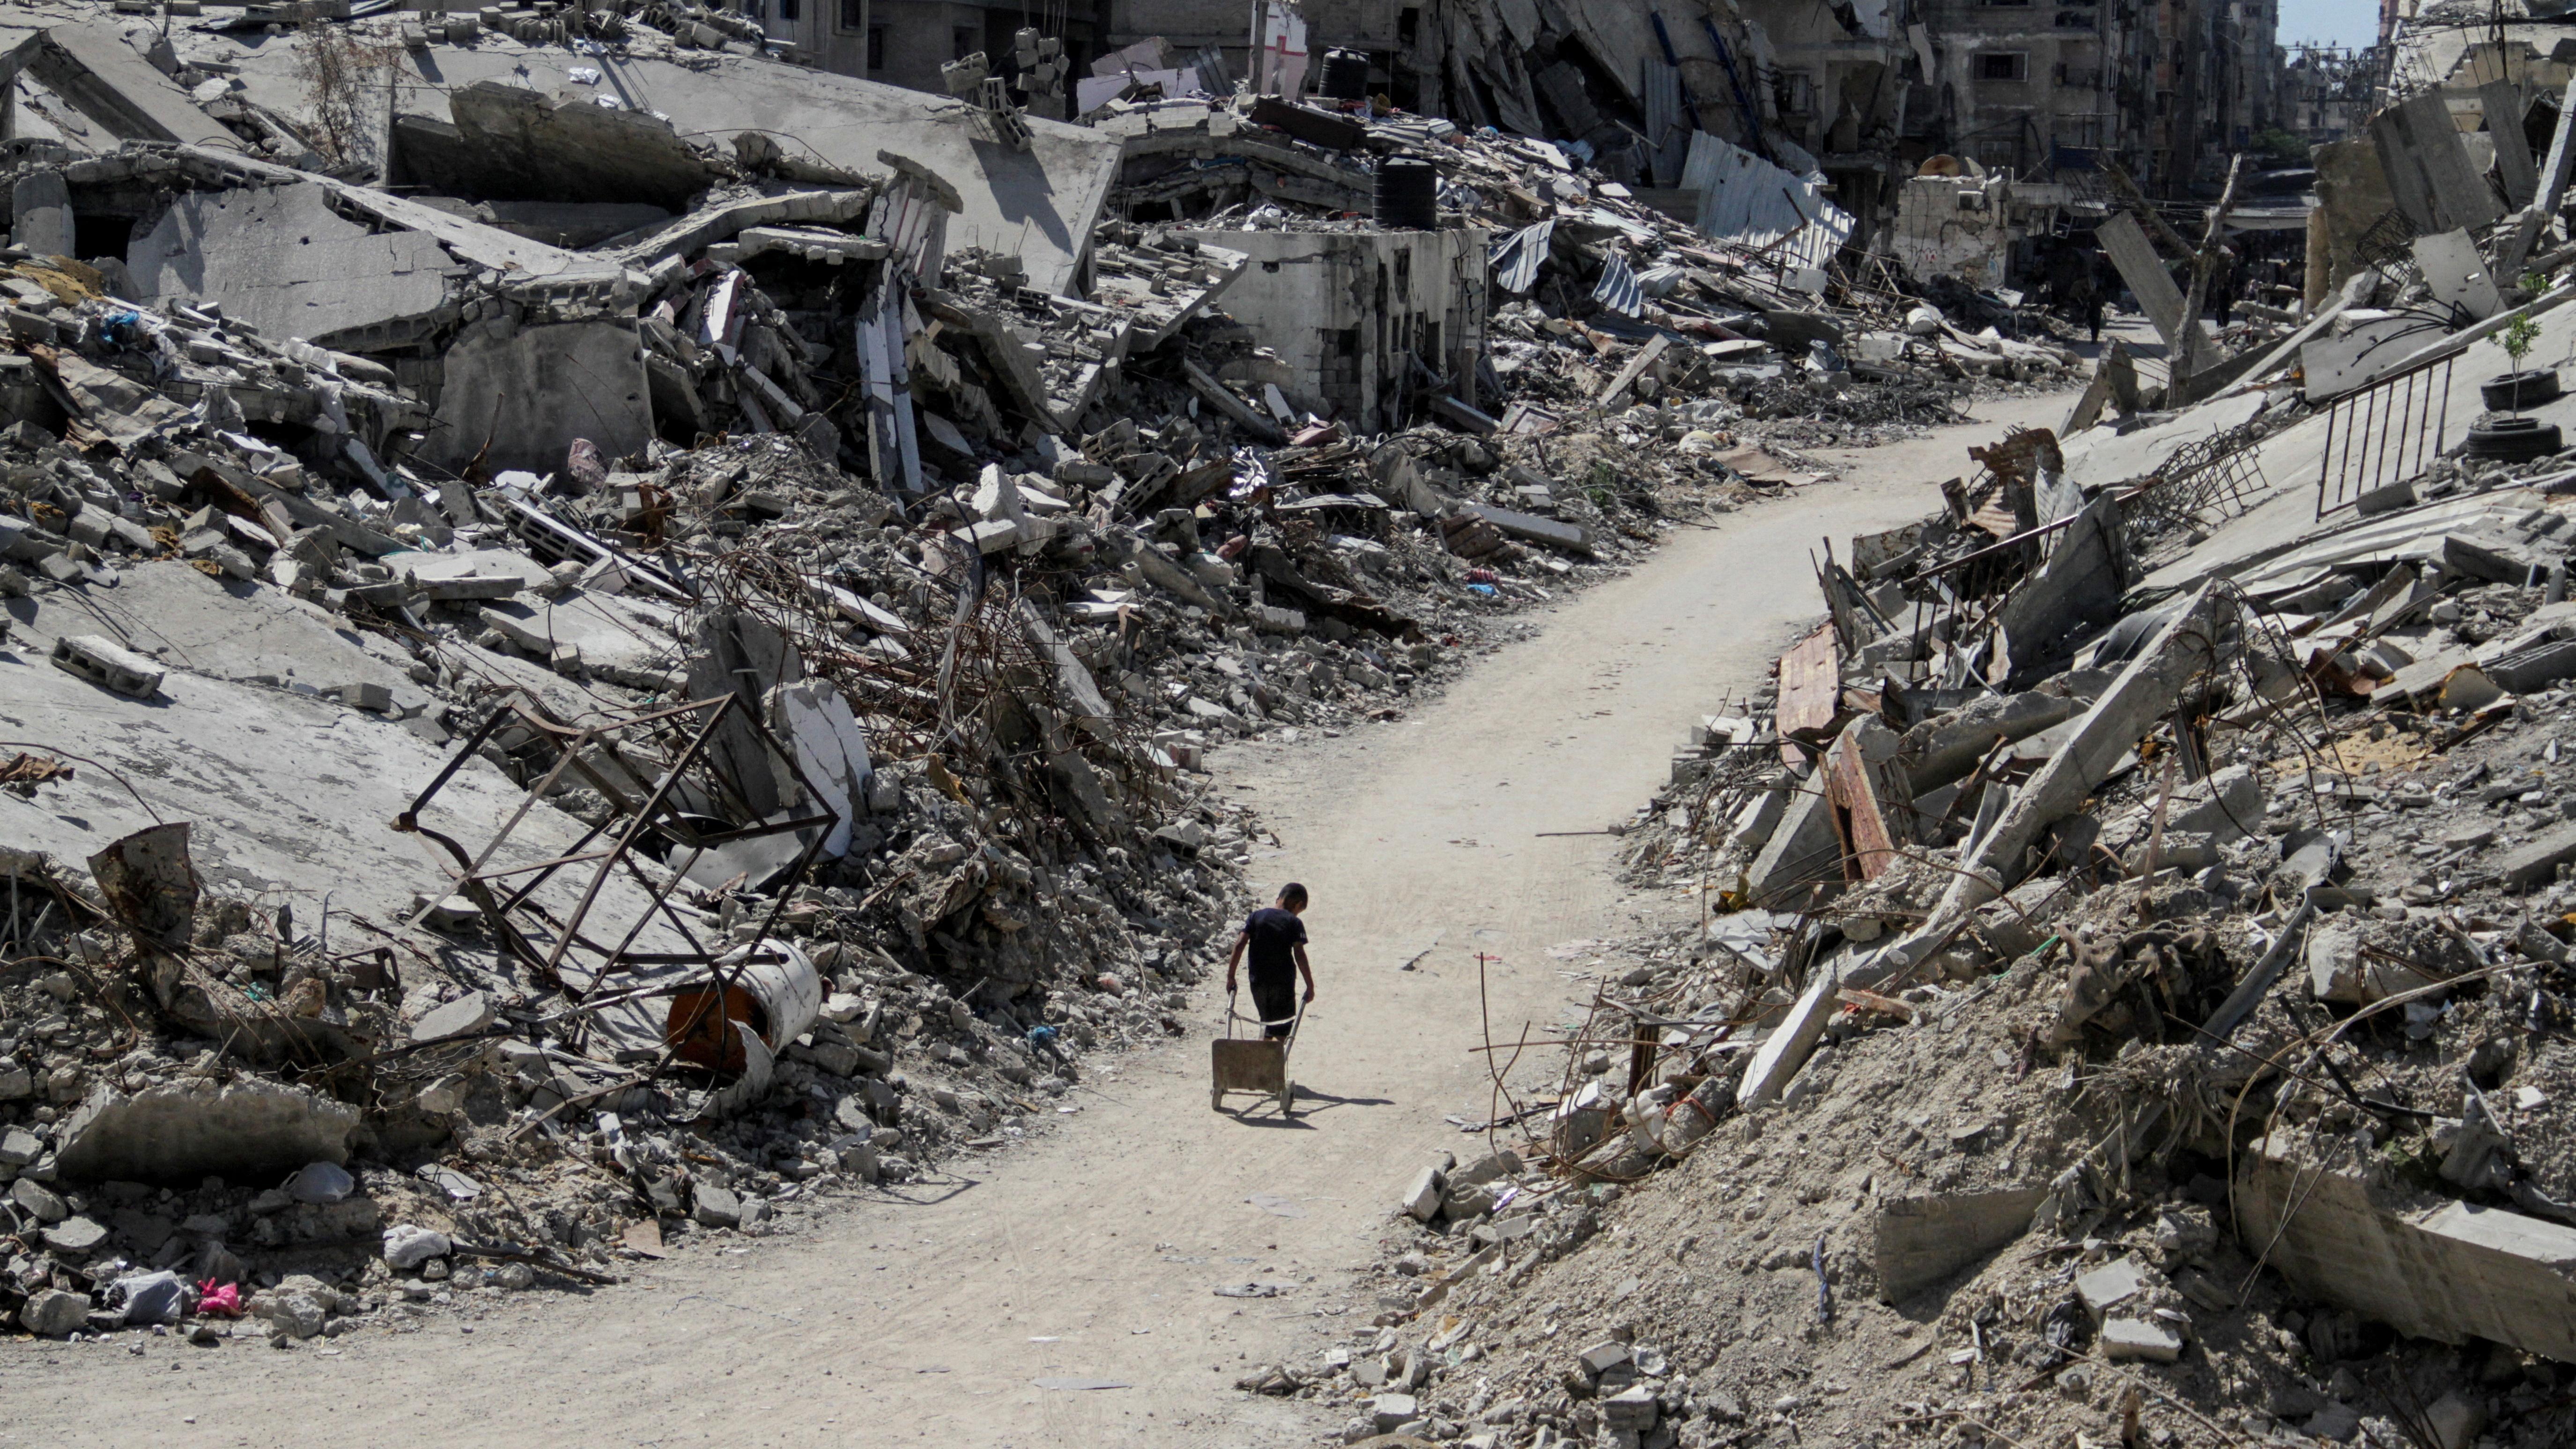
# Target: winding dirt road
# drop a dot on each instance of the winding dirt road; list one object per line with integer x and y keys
{"x": 1094, "y": 1252}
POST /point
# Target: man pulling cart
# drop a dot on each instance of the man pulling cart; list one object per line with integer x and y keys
{"x": 1275, "y": 939}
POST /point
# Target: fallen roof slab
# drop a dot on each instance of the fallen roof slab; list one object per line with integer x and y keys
{"x": 1041, "y": 204}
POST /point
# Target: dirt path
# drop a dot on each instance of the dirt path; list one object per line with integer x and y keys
{"x": 1095, "y": 1252}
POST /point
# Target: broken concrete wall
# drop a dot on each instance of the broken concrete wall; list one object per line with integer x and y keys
{"x": 1350, "y": 309}
{"x": 2353, "y": 197}
{"x": 186, "y": 1131}
{"x": 1954, "y": 226}
{"x": 2436, "y": 1269}
{"x": 526, "y": 394}
{"x": 2078, "y": 589}
{"x": 1922, "y": 1241}
{"x": 93, "y": 70}
{"x": 505, "y": 141}
{"x": 1041, "y": 204}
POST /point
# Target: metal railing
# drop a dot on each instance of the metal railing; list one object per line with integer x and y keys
{"x": 2385, "y": 434}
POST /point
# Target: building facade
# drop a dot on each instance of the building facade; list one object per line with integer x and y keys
{"x": 2167, "y": 89}
{"x": 2326, "y": 91}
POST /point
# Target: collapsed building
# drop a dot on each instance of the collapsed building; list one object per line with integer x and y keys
{"x": 637, "y": 620}
{"x": 2126, "y": 1000}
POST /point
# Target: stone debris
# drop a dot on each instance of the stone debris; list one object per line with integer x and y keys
{"x": 739, "y": 631}
{"x": 2123, "y": 970}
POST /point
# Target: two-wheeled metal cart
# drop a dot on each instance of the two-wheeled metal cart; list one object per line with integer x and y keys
{"x": 1257, "y": 1064}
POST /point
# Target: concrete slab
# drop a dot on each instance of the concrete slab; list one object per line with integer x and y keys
{"x": 280, "y": 259}
{"x": 183, "y": 1132}
{"x": 1791, "y": 1042}
{"x": 110, "y": 83}
{"x": 290, "y": 795}
{"x": 2428, "y": 1267}
{"x": 1802, "y": 852}
{"x": 233, "y": 631}
{"x": 503, "y": 139}
{"x": 615, "y": 639}
{"x": 2100, "y": 458}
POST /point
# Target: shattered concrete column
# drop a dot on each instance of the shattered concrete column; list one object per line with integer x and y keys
{"x": 2188, "y": 645}
{"x": 1804, "y": 851}
{"x": 41, "y": 207}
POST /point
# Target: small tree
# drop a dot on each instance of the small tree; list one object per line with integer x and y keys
{"x": 338, "y": 69}
{"x": 2516, "y": 339}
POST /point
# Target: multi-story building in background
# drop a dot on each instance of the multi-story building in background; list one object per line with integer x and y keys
{"x": 2326, "y": 91}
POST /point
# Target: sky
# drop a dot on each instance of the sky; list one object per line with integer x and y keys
{"x": 2329, "y": 22}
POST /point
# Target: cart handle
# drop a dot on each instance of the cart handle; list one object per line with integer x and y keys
{"x": 1294, "y": 1022}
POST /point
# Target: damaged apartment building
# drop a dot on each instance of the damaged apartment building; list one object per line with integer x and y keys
{"x": 2167, "y": 90}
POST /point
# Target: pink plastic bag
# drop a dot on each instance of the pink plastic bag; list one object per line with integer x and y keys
{"x": 219, "y": 1300}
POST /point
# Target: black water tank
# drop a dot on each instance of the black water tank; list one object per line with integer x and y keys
{"x": 1407, "y": 194}
{"x": 1345, "y": 75}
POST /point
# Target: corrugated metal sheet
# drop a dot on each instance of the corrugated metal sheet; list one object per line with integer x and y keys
{"x": 1618, "y": 289}
{"x": 1667, "y": 133}
{"x": 1516, "y": 257}
{"x": 1750, "y": 202}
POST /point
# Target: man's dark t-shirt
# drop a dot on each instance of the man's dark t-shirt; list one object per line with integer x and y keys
{"x": 1274, "y": 935}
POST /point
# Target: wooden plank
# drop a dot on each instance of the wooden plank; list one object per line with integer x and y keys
{"x": 1811, "y": 685}
{"x": 1870, "y": 840}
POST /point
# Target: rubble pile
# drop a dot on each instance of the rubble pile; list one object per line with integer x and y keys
{"x": 1606, "y": 290}
{"x": 745, "y": 670}
{"x": 2127, "y": 999}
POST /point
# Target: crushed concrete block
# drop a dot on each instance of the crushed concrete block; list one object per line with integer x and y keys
{"x": 2455, "y": 1420}
{"x": 2109, "y": 1286}
{"x": 187, "y": 1130}
{"x": 19, "y": 1147}
{"x": 107, "y": 665}
{"x": 447, "y": 914}
{"x": 994, "y": 535}
{"x": 75, "y": 1235}
{"x": 40, "y": 1201}
{"x": 1422, "y": 1197}
{"x": 1803, "y": 853}
{"x": 1390, "y": 1411}
{"x": 2338, "y": 971}
{"x": 1492, "y": 1167}
{"x": 464, "y": 1016}
{"x": 1565, "y": 537}
{"x": 1602, "y": 1357}
{"x": 54, "y": 1313}
{"x": 2537, "y": 863}
{"x": 1946, "y": 747}
{"x": 2226, "y": 806}
{"x": 1632, "y": 1409}
{"x": 715, "y": 1207}
{"x": 2140, "y": 1339}
{"x": 372, "y": 697}
{"x": 1786, "y": 1049}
